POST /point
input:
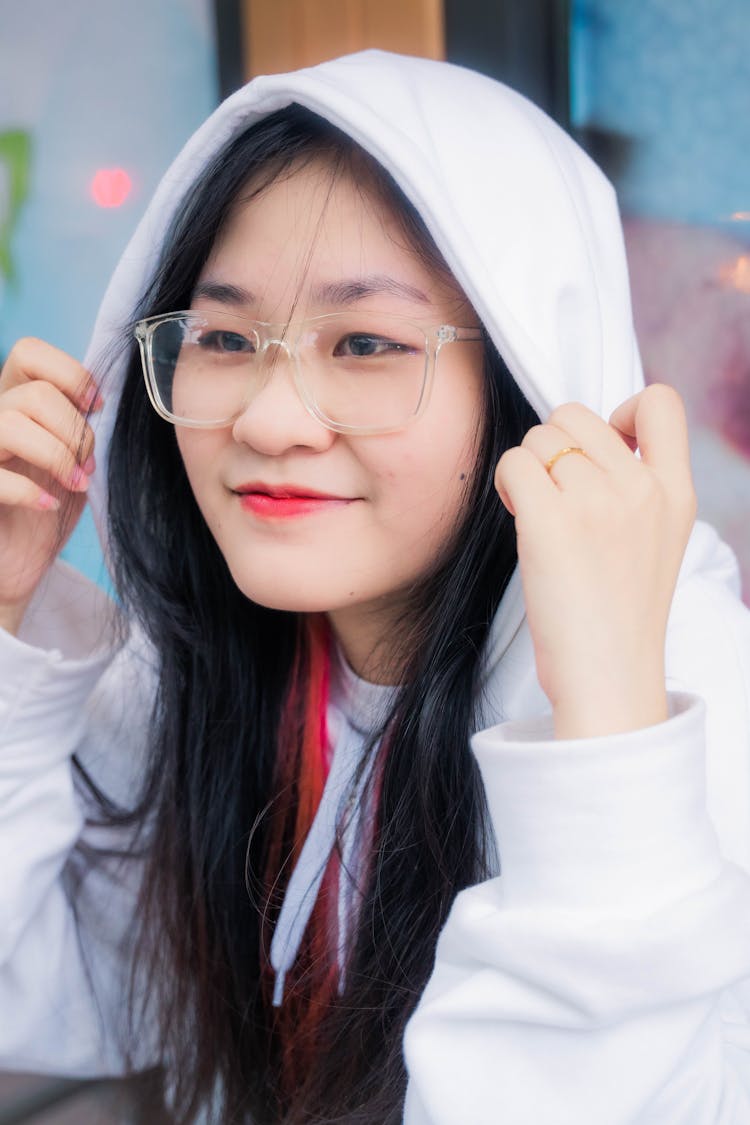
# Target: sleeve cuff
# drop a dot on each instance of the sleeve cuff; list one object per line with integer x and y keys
{"x": 69, "y": 615}
{"x": 68, "y": 638}
{"x": 599, "y": 822}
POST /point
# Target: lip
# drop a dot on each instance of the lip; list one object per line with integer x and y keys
{"x": 286, "y": 501}
{"x": 286, "y": 491}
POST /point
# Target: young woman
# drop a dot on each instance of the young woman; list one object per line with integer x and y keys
{"x": 411, "y": 777}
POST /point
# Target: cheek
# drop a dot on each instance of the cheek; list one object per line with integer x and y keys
{"x": 420, "y": 489}
{"x": 200, "y": 451}
{"x": 196, "y": 448}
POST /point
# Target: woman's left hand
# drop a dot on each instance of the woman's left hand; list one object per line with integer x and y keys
{"x": 600, "y": 541}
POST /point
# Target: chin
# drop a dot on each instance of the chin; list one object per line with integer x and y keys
{"x": 286, "y": 596}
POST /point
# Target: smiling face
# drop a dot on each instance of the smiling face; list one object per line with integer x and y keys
{"x": 304, "y": 247}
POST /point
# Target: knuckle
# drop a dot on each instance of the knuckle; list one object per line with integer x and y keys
{"x": 26, "y": 397}
{"x": 516, "y": 453}
{"x": 25, "y": 351}
{"x": 10, "y": 419}
{"x": 37, "y": 393}
{"x": 566, "y": 413}
{"x": 664, "y": 393}
{"x": 529, "y": 438}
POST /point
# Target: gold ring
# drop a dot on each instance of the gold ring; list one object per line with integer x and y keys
{"x": 561, "y": 453}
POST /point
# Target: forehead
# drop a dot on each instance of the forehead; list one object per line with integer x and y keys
{"x": 313, "y": 209}
{"x": 314, "y": 226}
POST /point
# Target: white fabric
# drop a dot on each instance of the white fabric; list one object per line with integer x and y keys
{"x": 527, "y": 223}
{"x": 603, "y": 977}
{"x": 355, "y": 712}
{"x": 304, "y": 884}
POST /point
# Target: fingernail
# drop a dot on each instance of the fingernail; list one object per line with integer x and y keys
{"x": 47, "y": 503}
{"x": 89, "y": 465}
{"x": 92, "y": 400}
{"x": 78, "y": 480}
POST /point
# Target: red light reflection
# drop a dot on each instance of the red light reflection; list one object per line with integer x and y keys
{"x": 110, "y": 187}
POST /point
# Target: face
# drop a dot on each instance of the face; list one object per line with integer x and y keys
{"x": 397, "y": 497}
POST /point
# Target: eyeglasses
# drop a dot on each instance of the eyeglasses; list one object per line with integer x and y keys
{"x": 356, "y": 372}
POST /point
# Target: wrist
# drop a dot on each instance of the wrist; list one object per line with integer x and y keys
{"x": 599, "y": 714}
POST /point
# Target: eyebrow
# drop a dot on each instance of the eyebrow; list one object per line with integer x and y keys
{"x": 345, "y": 292}
{"x": 223, "y": 293}
{"x": 348, "y": 291}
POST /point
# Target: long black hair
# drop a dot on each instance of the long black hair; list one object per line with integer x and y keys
{"x": 224, "y": 670}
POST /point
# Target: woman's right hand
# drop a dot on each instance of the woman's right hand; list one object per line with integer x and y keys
{"x": 46, "y": 459}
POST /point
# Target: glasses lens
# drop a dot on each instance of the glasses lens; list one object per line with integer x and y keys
{"x": 364, "y": 370}
{"x": 203, "y": 365}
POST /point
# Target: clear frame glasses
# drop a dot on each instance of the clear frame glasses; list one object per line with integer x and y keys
{"x": 356, "y": 372}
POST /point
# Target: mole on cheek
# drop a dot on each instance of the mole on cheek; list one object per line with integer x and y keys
{"x": 463, "y": 476}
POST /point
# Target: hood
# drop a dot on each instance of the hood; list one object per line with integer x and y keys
{"x": 526, "y": 221}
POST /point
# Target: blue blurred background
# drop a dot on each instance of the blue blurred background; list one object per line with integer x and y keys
{"x": 106, "y": 94}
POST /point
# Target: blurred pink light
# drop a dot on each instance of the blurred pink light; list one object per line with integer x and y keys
{"x": 110, "y": 187}
{"x": 736, "y": 274}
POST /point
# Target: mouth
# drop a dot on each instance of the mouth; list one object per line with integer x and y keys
{"x": 285, "y": 501}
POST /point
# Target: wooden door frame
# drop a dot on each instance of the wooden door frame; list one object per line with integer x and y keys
{"x": 522, "y": 42}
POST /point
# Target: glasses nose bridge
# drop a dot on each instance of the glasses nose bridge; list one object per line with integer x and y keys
{"x": 273, "y": 339}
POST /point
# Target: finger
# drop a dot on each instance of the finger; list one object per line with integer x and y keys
{"x": 603, "y": 443}
{"x": 22, "y": 438}
{"x": 545, "y": 441}
{"x": 20, "y": 492}
{"x": 51, "y": 409}
{"x": 31, "y": 359}
{"x": 524, "y": 484}
{"x": 656, "y": 419}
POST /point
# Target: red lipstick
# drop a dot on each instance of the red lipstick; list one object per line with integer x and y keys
{"x": 286, "y": 501}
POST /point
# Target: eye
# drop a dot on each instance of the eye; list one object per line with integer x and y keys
{"x": 226, "y": 342}
{"x": 361, "y": 345}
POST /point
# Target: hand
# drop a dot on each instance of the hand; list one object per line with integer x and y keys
{"x": 600, "y": 542}
{"x": 46, "y": 457}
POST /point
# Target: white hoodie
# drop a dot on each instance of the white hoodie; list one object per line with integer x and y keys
{"x": 603, "y": 977}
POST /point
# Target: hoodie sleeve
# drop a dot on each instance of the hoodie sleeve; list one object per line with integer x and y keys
{"x": 604, "y": 977}
{"x": 62, "y": 689}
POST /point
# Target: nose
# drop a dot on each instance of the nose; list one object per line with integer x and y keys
{"x": 276, "y": 418}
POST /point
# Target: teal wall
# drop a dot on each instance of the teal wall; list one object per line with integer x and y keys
{"x": 673, "y": 78}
